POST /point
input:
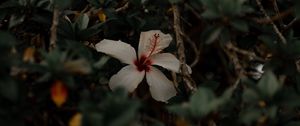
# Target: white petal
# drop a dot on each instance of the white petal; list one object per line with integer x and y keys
{"x": 161, "y": 88}
{"x": 168, "y": 61}
{"x": 128, "y": 78}
{"x": 149, "y": 44}
{"x": 117, "y": 49}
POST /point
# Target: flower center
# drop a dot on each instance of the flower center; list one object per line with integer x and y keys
{"x": 143, "y": 64}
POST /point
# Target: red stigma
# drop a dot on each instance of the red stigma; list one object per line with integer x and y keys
{"x": 143, "y": 64}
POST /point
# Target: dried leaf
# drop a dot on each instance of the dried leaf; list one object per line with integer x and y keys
{"x": 59, "y": 93}
{"x": 101, "y": 16}
{"x": 76, "y": 120}
{"x": 28, "y": 55}
{"x": 79, "y": 66}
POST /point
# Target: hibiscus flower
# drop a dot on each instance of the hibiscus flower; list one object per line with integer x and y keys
{"x": 140, "y": 65}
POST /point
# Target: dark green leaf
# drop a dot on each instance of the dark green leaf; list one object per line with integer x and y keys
{"x": 293, "y": 123}
{"x": 212, "y": 34}
{"x": 210, "y": 14}
{"x": 7, "y": 40}
{"x": 201, "y": 102}
{"x": 250, "y": 115}
{"x": 62, "y": 3}
{"x": 240, "y": 25}
{"x": 9, "y": 89}
{"x": 15, "y": 20}
{"x": 268, "y": 84}
{"x": 174, "y": 1}
{"x": 82, "y": 22}
{"x": 250, "y": 96}
{"x": 91, "y": 31}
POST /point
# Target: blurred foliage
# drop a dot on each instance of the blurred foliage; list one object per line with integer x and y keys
{"x": 227, "y": 93}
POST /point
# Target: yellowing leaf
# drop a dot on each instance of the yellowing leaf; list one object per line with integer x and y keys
{"x": 181, "y": 122}
{"x": 59, "y": 93}
{"x": 28, "y": 55}
{"x": 79, "y": 66}
{"x": 76, "y": 120}
{"x": 101, "y": 16}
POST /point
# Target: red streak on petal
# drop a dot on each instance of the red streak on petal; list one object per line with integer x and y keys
{"x": 153, "y": 42}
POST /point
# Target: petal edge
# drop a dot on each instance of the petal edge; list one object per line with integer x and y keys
{"x": 152, "y": 42}
{"x": 161, "y": 88}
{"x": 128, "y": 78}
{"x": 117, "y": 49}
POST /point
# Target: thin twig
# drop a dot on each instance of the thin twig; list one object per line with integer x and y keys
{"x": 283, "y": 40}
{"x": 174, "y": 76}
{"x": 277, "y": 12}
{"x": 53, "y": 35}
{"x": 198, "y": 15}
{"x": 279, "y": 16}
{"x": 237, "y": 66}
{"x": 124, "y": 7}
{"x": 251, "y": 55}
{"x": 177, "y": 28}
{"x": 195, "y": 49}
{"x": 288, "y": 26}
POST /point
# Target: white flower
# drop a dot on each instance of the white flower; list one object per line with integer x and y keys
{"x": 150, "y": 45}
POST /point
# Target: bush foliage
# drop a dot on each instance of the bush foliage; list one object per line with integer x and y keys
{"x": 244, "y": 55}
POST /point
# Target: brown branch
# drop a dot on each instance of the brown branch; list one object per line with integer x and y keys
{"x": 250, "y": 54}
{"x": 283, "y": 40}
{"x": 195, "y": 49}
{"x": 53, "y": 34}
{"x": 237, "y": 66}
{"x": 279, "y": 16}
{"x": 277, "y": 12}
{"x": 184, "y": 70}
{"x": 124, "y": 7}
{"x": 288, "y": 26}
{"x": 175, "y": 81}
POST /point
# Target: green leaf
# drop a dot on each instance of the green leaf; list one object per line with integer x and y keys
{"x": 118, "y": 109}
{"x": 230, "y": 7}
{"x": 250, "y": 96}
{"x": 96, "y": 3}
{"x": 65, "y": 29}
{"x": 62, "y": 3}
{"x": 91, "y": 31}
{"x": 157, "y": 123}
{"x": 7, "y": 40}
{"x": 211, "y": 5}
{"x": 268, "y": 84}
{"x": 212, "y": 34}
{"x": 297, "y": 9}
{"x": 250, "y": 115}
{"x": 293, "y": 48}
{"x": 200, "y": 102}
{"x": 3, "y": 13}
{"x": 92, "y": 119}
{"x": 9, "y": 89}
{"x": 272, "y": 112}
{"x": 101, "y": 62}
{"x": 9, "y": 4}
{"x": 293, "y": 123}
{"x": 182, "y": 110}
{"x": 269, "y": 40}
{"x": 82, "y": 22}
{"x": 174, "y": 1}
{"x": 210, "y": 14}
{"x": 16, "y": 20}
{"x": 240, "y": 25}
